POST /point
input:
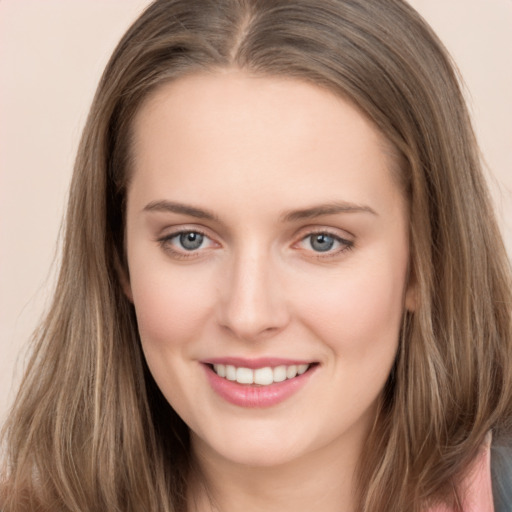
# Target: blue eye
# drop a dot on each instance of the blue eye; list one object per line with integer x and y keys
{"x": 326, "y": 243}
{"x": 187, "y": 244}
{"x": 190, "y": 241}
{"x": 321, "y": 242}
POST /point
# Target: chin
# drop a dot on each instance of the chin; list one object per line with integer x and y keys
{"x": 260, "y": 449}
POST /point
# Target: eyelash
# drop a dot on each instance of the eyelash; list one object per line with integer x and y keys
{"x": 345, "y": 245}
{"x": 183, "y": 254}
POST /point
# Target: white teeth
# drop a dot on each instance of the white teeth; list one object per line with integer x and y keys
{"x": 220, "y": 370}
{"x": 244, "y": 375}
{"x": 261, "y": 376}
{"x": 291, "y": 371}
{"x": 230, "y": 372}
{"x": 302, "y": 368}
{"x": 279, "y": 373}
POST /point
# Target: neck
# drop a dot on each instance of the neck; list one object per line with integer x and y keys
{"x": 323, "y": 480}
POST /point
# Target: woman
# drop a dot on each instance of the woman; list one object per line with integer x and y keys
{"x": 280, "y": 261}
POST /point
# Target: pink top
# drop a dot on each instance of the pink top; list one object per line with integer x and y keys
{"x": 476, "y": 489}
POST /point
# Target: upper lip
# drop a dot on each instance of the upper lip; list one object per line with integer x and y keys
{"x": 260, "y": 362}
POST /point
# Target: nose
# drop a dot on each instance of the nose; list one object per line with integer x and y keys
{"x": 253, "y": 303}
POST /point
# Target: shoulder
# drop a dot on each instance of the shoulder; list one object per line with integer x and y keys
{"x": 501, "y": 474}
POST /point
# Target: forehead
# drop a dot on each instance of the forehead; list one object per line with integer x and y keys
{"x": 255, "y": 135}
{"x": 246, "y": 99}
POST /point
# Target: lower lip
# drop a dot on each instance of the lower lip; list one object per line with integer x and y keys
{"x": 254, "y": 396}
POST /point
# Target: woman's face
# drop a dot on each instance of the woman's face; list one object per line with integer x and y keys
{"x": 267, "y": 241}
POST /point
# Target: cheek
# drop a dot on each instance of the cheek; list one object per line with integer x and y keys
{"x": 172, "y": 308}
{"x": 357, "y": 312}
{"x": 170, "y": 304}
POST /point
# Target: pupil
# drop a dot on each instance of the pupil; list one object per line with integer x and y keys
{"x": 322, "y": 243}
{"x": 191, "y": 241}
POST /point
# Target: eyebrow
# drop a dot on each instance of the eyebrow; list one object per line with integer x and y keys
{"x": 174, "y": 207}
{"x": 326, "y": 209}
{"x": 286, "y": 217}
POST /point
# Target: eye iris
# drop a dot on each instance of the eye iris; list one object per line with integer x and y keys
{"x": 191, "y": 241}
{"x": 322, "y": 242}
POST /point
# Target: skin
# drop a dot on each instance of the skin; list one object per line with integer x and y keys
{"x": 250, "y": 150}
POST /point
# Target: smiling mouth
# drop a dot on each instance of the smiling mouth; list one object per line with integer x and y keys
{"x": 260, "y": 376}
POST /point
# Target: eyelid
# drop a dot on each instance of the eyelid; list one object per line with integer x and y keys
{"x": 347, "y": 242}
{"x": 164, "y": 241}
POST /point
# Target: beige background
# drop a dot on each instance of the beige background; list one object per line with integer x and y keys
{"x": 51, "y": 55}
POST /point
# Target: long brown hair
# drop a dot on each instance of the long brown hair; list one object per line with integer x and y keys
{"x": 91, "y": 431}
